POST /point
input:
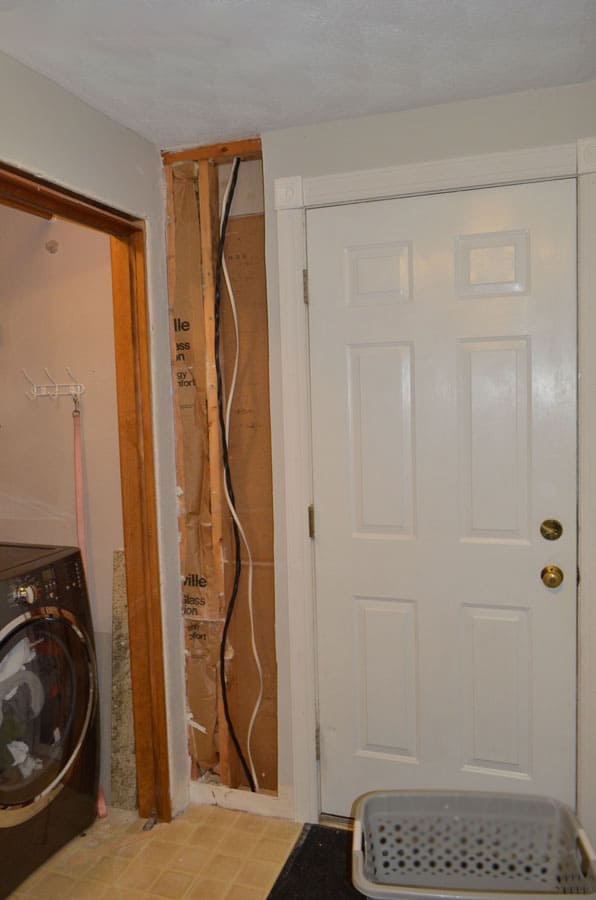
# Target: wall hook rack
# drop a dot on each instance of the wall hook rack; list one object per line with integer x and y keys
{"x": 53, "y": 388}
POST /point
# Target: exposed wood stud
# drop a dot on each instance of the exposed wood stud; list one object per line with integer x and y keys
{"x": 209, "y": 218}
{"x": 172, "y": 286}
{"x": 217, "y": 153}
{"x": 171, "y": 272}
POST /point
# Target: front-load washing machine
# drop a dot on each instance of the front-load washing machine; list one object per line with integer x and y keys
{"x": 49, "y": 725}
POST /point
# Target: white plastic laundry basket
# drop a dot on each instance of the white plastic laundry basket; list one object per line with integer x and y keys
{"x": 470, "y": 846}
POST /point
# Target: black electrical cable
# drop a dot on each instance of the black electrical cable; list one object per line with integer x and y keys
{"x": 227, "y": 474}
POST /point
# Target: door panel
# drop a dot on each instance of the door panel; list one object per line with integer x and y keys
{"x": 494, "y": 448}
{"x": 386, "y": 635}
{"x": 381, "y": 439}
{"x": 496, "y": 689}
{"x": 443, "y": 368}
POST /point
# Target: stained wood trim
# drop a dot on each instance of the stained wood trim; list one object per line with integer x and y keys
{"x": 133, "y": 387}
{"x": 209, "y": 217}
{"x": 217, "y": 153}
{"x": 137, "y": 467}
{"x": 27, "y": 208}
{"x": 40, "y": 198}
{"x": 147, "y": 502}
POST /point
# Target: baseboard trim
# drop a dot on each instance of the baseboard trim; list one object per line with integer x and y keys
{"x": 280, "y": 806}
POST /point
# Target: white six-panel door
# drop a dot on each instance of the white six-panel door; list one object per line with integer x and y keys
{"x": 443, "y": 378}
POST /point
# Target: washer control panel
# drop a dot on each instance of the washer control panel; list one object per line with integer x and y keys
{"x": 39, "y": 587}
{"x": 28, "y": 585}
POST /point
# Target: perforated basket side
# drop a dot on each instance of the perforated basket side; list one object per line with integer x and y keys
{"x": 471, "y": 843}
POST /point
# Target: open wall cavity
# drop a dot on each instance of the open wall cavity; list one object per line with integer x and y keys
{"x": 196, "y": 187}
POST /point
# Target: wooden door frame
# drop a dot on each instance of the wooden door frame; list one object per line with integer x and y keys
{"x": 293, "y": 196}
{"x": 135, "y": 429}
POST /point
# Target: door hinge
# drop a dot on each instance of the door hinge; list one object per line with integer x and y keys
{"x": 305, "y": 285}
{"x": 318, "y": 743}
{"x": 579, "y": 578}
{"x": 311, "y": 521}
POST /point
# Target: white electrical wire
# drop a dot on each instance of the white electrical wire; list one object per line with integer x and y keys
{"x": 233, "y": 512}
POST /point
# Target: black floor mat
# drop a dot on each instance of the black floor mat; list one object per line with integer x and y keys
{"x": 319, "y": 867}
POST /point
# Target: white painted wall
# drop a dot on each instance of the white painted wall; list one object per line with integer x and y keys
{"x": 509, "y": 122}
{"x": 56, "y": 312}
{"x": 48, "y": 132}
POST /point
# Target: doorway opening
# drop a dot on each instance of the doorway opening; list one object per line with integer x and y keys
{"x": 116, "y": 358}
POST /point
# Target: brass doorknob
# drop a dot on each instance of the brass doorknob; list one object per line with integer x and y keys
{"x": 551, "y": 529}
{"x": 552, "y": 576}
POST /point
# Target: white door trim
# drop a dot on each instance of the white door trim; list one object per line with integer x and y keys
{"x": 292, "y": 197}
{"x": 586, "y": 737}
{"x": 431, "y": 177}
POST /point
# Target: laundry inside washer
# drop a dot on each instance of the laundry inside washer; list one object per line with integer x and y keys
{"x": 49, "y": 726}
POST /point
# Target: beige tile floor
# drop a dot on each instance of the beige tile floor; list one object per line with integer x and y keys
{"x": 207, "y": 853}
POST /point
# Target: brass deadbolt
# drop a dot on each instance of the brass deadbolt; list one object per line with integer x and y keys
{"x": 552, "y": 576}
{"x": 551, "y": 530}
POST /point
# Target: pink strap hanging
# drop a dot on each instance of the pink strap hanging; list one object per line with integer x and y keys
{"x": 78, "y": 476}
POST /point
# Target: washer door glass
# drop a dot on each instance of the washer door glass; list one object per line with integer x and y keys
{"x": 46, "y": 692}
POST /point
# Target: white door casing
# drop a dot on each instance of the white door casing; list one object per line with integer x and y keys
{"x": 294, "y": 572}
{"x": 443, "y": 383}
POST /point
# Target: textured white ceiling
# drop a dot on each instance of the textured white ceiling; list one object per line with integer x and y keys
{"x": 184, "y": 72}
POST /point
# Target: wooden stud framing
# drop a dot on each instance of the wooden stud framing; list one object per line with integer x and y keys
{"x": 205, "y": 523}
{"x": 209, "y": 217}
{"x": 171, "y": 269}
{"x": 137, "y": 467}
{"x": 216, "y": 153}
